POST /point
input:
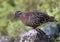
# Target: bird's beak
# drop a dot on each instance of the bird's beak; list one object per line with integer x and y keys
{"x": 15, "y": 17}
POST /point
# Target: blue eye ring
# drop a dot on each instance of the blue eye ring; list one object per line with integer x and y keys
{"x": 17, "y": 13}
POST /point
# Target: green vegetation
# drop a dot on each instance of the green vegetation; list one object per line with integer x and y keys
{"x": 7, "y": 8}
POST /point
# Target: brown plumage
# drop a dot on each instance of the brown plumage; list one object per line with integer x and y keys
{"x": 34, "y": 18}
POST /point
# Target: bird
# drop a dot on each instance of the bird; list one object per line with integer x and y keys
{"x": 52, "y": 31}
{"x": 33, "y": 18}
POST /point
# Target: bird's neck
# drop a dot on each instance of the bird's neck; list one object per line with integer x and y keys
{"x": 23, "y": 19}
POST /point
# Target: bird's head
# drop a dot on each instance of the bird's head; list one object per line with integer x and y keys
{"x": 17, "y": 14}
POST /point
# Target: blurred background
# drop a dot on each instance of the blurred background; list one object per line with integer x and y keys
{"x": 11, "y": 27}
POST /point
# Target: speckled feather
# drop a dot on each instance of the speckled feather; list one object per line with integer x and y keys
{"x": 34, "y": 18}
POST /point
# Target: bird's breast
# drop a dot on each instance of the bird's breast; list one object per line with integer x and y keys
{"x": 25, "y": 20}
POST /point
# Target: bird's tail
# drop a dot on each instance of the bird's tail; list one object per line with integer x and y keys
{"x": 58, "y": 25}
{"x": 52, "y": 19}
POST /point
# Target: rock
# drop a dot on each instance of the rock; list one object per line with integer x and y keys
{"x": 34, "y": 35}
{"x": 5, "y": 39}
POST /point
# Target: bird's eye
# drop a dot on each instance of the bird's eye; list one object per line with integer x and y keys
{"x": 17, "y": 13}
